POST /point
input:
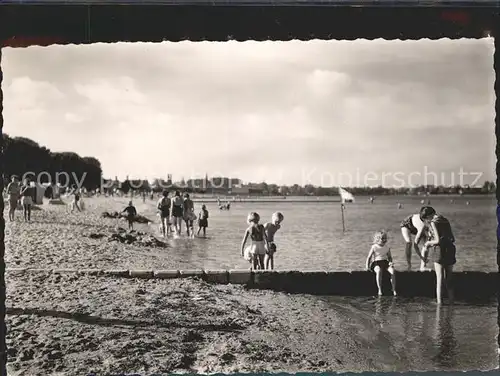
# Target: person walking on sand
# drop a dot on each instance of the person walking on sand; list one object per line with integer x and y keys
{"x": 131, "y": 215}
{"x": 257, "y": 250}
{"x": 14, "y": 193}
{"x": 76, "y": 200}
{"x": 271, "y": 228}
{"x": 163, "y": 206}
{"x": 27, "y": 193}
{"x": 380, "y": 259}
{"x": 203, "y": 221}
{"x": 188, "y": 214}
{"x": 414, "y": 225}
{"x": 441, "y": 248}
{"x": 177, "y": 212}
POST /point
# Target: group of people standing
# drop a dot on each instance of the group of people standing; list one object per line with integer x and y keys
{"x": 173, "y": 211}
{"x": 433, "y": 239}
{"x": 20, "y": 193}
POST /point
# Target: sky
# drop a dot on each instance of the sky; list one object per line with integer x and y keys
{"x": 351, "y": 113}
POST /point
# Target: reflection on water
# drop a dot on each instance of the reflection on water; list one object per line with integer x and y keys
{"x": 444, "y": 337}
{"x": 416, "y": 334}
{"x": 311, "y": 237}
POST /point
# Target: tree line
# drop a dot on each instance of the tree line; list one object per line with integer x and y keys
{"x": 25, "y": 157}
{"x": 265, "y": 189}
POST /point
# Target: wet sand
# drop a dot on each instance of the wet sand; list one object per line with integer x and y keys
{"x": 76, "y": 325}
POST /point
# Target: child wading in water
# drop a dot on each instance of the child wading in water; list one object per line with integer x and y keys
{"x": 256, "y": 252}
{"x": 203, "y": 221}
{"x": 131, "y": 214}
{"x": 382, "y": 260}
{"x": 271, "y": 228}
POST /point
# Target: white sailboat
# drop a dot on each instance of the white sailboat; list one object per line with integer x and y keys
{"x": 345, "y": 196}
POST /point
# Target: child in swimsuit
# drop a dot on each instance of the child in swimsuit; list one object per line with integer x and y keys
{"x": 380, "y": 259}
{"x": 203, "y": 220}
{"x": 131, "y": 215}
{"x": 164, "y": 212}
{"x": 256, "y": 252}
{"x": 271, "y": 228}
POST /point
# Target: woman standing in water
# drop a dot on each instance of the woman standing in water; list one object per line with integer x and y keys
{"x": 27, "y": 193}
{"x": 442, "y": 251}
{"x": 414, "y": 225}
{"x": 177, "y": 212}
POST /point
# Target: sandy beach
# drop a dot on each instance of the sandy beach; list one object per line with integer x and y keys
{"x": 64, "y": 324}
{"x": 76, "y": 326}
{"x": 56, "y": 237}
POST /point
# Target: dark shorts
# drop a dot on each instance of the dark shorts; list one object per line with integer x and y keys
{"x": 383, "y": 264}
{"x": 130, "y": 218}
{"x": 271, "y": 249}
{"x": 444, "y": 254}
{"x": 164, "y": 213}
{"x": 203, "y": 222}
{"x": 407, "y": 223}
{"x": 177, "y": 211}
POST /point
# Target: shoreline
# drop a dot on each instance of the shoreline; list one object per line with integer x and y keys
{"x": 411, "y": 284}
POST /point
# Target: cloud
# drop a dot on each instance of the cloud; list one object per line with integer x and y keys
{"x": 261, "y": 110}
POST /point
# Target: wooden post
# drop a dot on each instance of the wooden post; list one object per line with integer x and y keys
{"x": 342, "y": 211}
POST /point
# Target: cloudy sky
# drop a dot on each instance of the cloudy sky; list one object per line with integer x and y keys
{"x": 336, "y": 112}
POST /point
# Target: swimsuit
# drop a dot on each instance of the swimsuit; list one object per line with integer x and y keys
{"x": 131, "y": 213}
{"x": 26, "y": 196}
{"x": 164, "y": 206}
{"x": 258, "y": 246}
{"x": 188, "y": 211}
{"x": 177, "y": 210}
{"x": 408, "y": 223}
{"x": 380, "y": 257}
{"x": 444, "y": 252}
{"x": 203, "y": 221}
{"x": 271, "y": 249}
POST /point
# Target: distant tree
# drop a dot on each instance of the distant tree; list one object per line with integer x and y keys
{"x": 273, "y": 189}
{"x": 284, "y": 190}
{"x": 309, "y": 189}
{"x": 25, "y": 156}
{"x": 263, "y": 187}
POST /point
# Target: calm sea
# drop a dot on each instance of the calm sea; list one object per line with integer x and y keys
{"x": 312, "y": 237}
